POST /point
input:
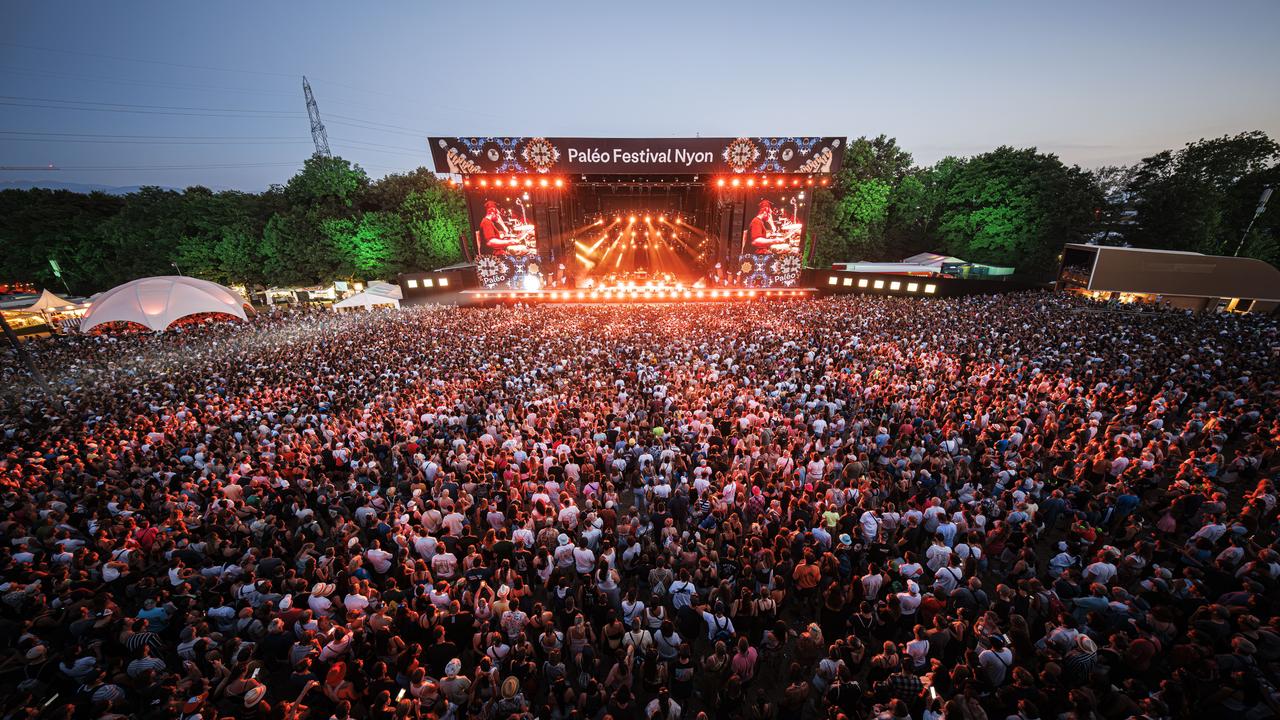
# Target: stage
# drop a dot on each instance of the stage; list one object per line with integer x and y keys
{"x": 634, "y": 294}
{"x": 636, "y": 219}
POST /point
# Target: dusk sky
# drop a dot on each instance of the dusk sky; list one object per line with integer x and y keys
{"x": 185, "y": 93}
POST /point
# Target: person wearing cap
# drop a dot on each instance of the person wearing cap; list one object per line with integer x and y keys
{"x": 996, "y": 662}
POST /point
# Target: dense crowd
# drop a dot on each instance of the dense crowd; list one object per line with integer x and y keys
{"x": 1008, "y": 507}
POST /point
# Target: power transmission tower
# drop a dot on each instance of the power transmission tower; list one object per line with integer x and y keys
{"x": 318, "y": 134}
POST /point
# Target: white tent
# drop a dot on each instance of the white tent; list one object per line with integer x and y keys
{"x": 366, "y": 300}
{"x": 157, "y": 302}
{"x": 49, "y": 301}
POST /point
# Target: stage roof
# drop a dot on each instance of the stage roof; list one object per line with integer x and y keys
{"x": 632, "y": 156}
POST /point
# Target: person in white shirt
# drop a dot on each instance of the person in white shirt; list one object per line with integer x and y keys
{"x": 1100, "y": 571}
{"x": 996, "y": 661}
{"x": 584, "y": 561}
{"x": 380, "y": 559}
{"x": 444, "y": 565}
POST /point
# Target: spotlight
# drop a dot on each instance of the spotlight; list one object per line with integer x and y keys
{"x": 736, "y": 182}
{"x": 498, "y": 182}
{"x": 514, "y": 181}
{"x": 648, "y": 218}
{"x": 824, "y": 182}
{"x": 720, "y": 182}
{"x": 543, "y": 182}
{"x": 484, "y": 183}
{"x": 662, "y": 218}
{"x": 811, "y": 182}
{"x": 631, "y": 219}
{"x": 559, "y": 182}
{"x": 779, "y": 183}
{"x": 795, "y": 182}
{"x": 751, "y": 182}
{"x": 528, "y": 182}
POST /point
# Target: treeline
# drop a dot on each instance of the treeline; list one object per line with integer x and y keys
{"x": 328, "y": 222}
{"x": 1017, "y": 207}
{"x": 1012, "y": 207}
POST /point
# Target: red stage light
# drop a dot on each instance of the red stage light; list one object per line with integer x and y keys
{"x": 779, "y": 182}
{"x": 720, "y": 182}
{"x": 795, "y": 182}
{"x": 736, "y": 182}
{"x": 514, "y": 181}
{"x": 484, "y": 183}
{"x": 751, "y": 182}
{"x": 559, "y": 182}
{"x": 811, "y": 181}
{"x": 648, "y": 218}
{"x": 824, "y": 181}
{"x": 662, "y": 218}
{"x": 631, "y": 220}
{"x": 542, "y": 182}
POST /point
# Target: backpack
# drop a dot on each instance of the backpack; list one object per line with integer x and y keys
{"x": 722, "y": 631}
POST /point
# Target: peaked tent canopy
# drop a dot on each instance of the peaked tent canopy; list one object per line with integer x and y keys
{"x": 366, "y": 300}
{"x": 157, "y": 302}
{"x": 49, "y": 301}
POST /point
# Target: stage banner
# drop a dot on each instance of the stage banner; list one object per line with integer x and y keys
{"x": 629, "y": 156}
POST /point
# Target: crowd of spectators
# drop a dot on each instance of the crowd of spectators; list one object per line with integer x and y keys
{"x": 1004, "y": 507}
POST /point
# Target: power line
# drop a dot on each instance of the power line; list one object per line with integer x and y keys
{"x": 139, "y": 83}
{"x": 148, "y": 62}
{"x": 281, "y": 116}
{"x": 144, "y": 107}
{"x": 151, "y": 137}
{"x": 155, "y": 142}
{"x": 217, "y": 166}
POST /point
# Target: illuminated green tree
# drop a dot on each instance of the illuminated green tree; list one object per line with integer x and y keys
{"x": 366, "y": 248}
{"x": 1014, "y": 207}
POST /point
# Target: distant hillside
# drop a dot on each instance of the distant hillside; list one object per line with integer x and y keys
{"x": 73, "y": 187}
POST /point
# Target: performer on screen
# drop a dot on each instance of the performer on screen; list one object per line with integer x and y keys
{"x": 493, "y": 230}
{"x": 762, "y": 228}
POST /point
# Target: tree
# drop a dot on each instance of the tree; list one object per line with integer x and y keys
{"x": 852, "y": 221}
{"x": 1016, "y": 208}
{"x": 367, "y": 247}
{"x": 1201, "y": 198}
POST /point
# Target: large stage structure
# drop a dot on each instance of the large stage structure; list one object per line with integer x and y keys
{"x": 563, "y": 215}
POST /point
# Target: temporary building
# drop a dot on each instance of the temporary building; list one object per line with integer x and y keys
{"x": 375, "y": 295}
{"x": 158, "y": 302}
{"x": 48, "y": 301}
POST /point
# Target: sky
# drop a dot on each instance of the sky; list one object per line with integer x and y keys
{"x": 210, "y": 93}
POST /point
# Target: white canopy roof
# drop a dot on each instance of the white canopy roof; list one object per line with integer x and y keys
{"x": 49, "y": 301}
{"x": 367, "y": 300}
{"x": 157, "y": 302}
{"x": 384, "y": 289}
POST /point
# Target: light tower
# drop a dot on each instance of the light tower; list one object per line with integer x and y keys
{"x": 318, "y": 134}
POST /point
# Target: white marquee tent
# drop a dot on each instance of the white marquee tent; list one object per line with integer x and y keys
{"x": 157, "y": 302}
{"x": 375, "y": 295}
{"x": 49, "y": 301}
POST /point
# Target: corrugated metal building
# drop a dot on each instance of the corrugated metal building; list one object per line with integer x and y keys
{"x": 1173, "y": 278}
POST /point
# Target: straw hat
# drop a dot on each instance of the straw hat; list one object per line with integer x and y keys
{"x": 255, "y": 695}
{"x": 323, "y": 589}
{"x": 1086, "y": 644}
{"x": 510, "y": 687}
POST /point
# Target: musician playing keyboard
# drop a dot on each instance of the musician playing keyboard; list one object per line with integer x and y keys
{"x": 493, "y": 229}
{"x": 763, "y": 231}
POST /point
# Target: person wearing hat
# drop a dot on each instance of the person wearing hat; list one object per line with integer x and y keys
{"x": 1081, "y": 659}
{"x": 510, "y": 700}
